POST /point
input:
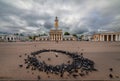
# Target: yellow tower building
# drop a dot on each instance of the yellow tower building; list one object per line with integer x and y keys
{"x": 56, "y": 34}
{"x": 56, "y": 23}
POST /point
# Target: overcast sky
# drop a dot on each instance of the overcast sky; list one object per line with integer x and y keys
{"x": 75, "y": 16}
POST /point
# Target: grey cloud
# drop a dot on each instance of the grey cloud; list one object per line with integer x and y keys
{"x": 95, "y": 20}
{"x": 48, "y": 25}
{"x": 12, "y": 29}
{"x": 79, "y": 29}
{"x": 6, "y": 9}
{"x": 82, "y": 16}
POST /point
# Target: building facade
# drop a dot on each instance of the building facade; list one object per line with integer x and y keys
{"x": 55, "y": 34}
{"x": 86, "y": 37}
{"x": 113, "y": 36}
{"x": 69, "y": 38}
{"x": 42, "y": 38}
{"x": 13, "y": 38}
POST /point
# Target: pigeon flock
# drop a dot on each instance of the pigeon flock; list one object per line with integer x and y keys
{"x": 78, "y": 63}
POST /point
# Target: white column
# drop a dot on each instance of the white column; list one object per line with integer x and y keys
{"x": 100, "y": 38}
{"x": 119, "y": 37}
{"x": 50, "y": 37}
{"x": 59, "y": 37}
{"x": 56, "y": 37}
{"x": 111, "y": 37}
{"x": 53, "y": 36}
{"x": 103, "y": 38}
{"x": 9, "y": 38}
{"x": 115, "y": 37}
{"x": 107, "y": 37}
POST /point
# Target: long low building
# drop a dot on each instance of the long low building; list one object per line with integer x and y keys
{"x": 110, "y": 36}
{"x": 42, "y": 38}
{"x": 64, "y": 38}
{"x": 13, "y": 38}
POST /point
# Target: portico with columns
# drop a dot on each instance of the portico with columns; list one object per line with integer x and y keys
{"x": 56, "y": 35}
{"x": 107, "y": 36}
